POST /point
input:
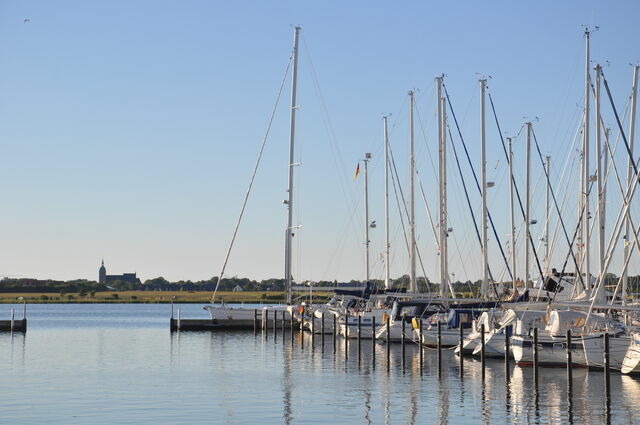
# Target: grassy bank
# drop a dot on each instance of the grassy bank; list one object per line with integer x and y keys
{"x": 149, "y": 297}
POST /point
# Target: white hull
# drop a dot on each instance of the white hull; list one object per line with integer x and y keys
{"x": 450, "y": 337}
{"x": 631, "y": 361}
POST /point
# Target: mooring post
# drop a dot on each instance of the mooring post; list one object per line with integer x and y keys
{"x": 420, "y": 343}
{"x": 346, "y": 336}
{"x": 172, "y": 307}
{"x": 179, "y": 319}
{"x": 300, "y": 329}
{"x": 359, "y": 335}
{"x": 291, "y": 326}
{"x": 313, "y": 330}
{"x": 388, "y": 341}
{"x": 13, "y": 313}
{"x": 482, "y": 353}
{"x": 402, "y": 338}
{"x": 507, "y": 335}
{"x": 265, "y": 319}
{"x": 535, "y": 355}
{"x": 569, "y": 360}
{"x": 335, "y": 331}
{"x": 322, "y": 330}
{"x": 373, "y": 341}
{"x": 439, "y": 345}
{"x": 275, "y": 325}
{"x": 607, "y": 365}
{"x": 460, "y": 354}
{"x": 282, "y": 327}
{"x": 24, "y": 309}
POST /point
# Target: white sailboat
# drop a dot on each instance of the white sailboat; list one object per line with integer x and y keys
{"x": 238, "y": 317}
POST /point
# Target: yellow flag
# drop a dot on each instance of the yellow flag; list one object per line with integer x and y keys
{"x": 355, "y": 176}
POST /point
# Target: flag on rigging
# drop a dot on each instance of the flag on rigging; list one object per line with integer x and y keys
{"x": 355, "y": 176}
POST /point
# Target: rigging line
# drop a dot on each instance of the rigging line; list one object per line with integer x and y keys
{"x": 253, "y": 176}
{"x": 504, "y": 149}
{"x": 557, "y": 208}
{"x": 624, "y": 137}
{"x": 466, "y": 192}
{"x": 394, "y": 177}
{"x": 568, "y": 165}
{"x": 426, "y": 205}
{"x": 464, "y": 145}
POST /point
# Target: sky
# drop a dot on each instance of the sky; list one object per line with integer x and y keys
{"x": 129, "y": 130}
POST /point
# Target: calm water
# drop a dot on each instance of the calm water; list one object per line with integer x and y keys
{"x": 119, "y": 364}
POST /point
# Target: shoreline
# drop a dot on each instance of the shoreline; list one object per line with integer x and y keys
{"x": 149, "y": 297}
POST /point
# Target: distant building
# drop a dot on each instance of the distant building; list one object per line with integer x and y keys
{"x": 238, "y": 288}
{"x": 105, "y": 278}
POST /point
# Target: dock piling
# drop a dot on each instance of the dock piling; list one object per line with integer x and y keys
{"x": 373, "y": 342}
{"x": 569, "y": 359}
{"x": 461, "y": 339}
{"x": 482, "y": 348}
{"x": 535, "y": 355}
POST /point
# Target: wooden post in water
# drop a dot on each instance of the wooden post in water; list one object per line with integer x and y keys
{"x": 420, "y": 344}
{"x": 13, "y": 319}
{"x": 439, "y": 345}
{"x": 291, "y": 326}
{"x": 265, "y": 319}
{"x": 275, "y": 324}
{"x": 322, "y": 330}
{"x": 359, "y": 335}
{"x": 388, "y": 341}
{"x": 607, "y": 365}
{"x": 335, "y": 331}
{"x": 346, "y": 336}
{"x": 373, "y": 341}
{"x": 313, "y": 330}
{"x": 569, "y": 360}
{"x": 535, "y": 355}
{"x": 402, "y": 338}
{"x": 282, "y": 327}
{"x": 460, "y": 354}
{"x": 300, "y": 330}
{"x": 482, "y": 353}
{"x": 507, "y": 335}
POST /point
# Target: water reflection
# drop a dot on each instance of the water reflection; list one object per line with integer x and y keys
{"x": 154, "y": 376}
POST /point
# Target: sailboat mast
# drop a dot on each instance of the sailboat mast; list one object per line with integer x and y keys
{"x": 387, "y": 280}
{"x": 442, "y": 188}
{"x": 547, "y": 214}
{"x": 367, "y": 157}
{"x": 527, "y": 211}
{"x": 412, "y": 222}
{"x": 292, "y": 130}
{"x": 585, "y": 168}
{"x": 513, "y": 227}
{"x": 600, "y": 173}
{"x": 484, "y": 290}
{"x": 632, "y": 124}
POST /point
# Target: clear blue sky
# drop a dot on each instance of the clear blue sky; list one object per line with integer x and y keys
{"x": 128, "y": 130}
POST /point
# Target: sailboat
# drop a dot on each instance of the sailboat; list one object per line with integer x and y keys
{"x": 239, "y": 317}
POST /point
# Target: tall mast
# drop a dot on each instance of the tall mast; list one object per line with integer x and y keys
{"x": 387, "y": 266}
{"x": 600, "y": 173}
{"x": 513, "y": 227}
{"x": 412, "y": 223}
{"x": 585, "y": 169}
{"x": 632, "y": 124}
{"x": 484, "y": 290}
{"x": 527, "y": 216}
{"x": 292, "y": 130}
{"x": 367, "y": 157}
{"x": 547, "y": 215}
{"x": 442, "y": 195}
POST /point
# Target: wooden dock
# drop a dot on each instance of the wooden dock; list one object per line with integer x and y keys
{"x": 16, "y": 325}
{"x": 13, "y": 324}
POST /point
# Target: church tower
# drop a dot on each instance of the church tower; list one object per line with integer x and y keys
{"x": 102, "y": 274}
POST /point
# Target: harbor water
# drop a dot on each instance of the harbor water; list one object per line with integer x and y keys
{"x": 120, "y": 364}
